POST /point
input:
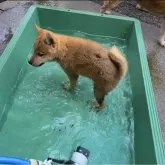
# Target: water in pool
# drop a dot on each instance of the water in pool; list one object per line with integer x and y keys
{"x": 44, "y": 120}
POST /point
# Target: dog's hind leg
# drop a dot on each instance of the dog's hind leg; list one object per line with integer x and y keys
{"x": 99, "y": 98}
{"x": 73, "y": 80}
{"x": 99, "y": 94}
{"x": 162, "y": 33}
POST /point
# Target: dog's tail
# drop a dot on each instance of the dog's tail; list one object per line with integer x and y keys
{"x": 119, "y": 60}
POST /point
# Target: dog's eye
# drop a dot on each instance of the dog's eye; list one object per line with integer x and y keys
{"x": 40, "y": 53}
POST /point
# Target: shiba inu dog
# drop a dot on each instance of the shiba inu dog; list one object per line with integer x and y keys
{"x": 155, "y": 6}
{"x": 78, "y": 56}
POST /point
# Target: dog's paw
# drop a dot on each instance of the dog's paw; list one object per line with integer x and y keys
{"x": 102, "y": 11}
{"x": 67, "y": 87}
{"x": 107, "y": 12}
{"x": 93, "y": 105}
{"x": 162, "y": 41}
{"x": 139, "y": 7}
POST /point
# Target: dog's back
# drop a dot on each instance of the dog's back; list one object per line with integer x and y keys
{"x": 89, "y": 58}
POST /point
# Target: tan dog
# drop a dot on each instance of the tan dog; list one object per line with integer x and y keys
{"x": 107, "y": 5}
{"x": 78, "y": 56}
{"x": 155, "y": 6}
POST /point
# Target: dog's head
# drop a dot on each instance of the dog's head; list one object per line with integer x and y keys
{"x": 44, "y": 48}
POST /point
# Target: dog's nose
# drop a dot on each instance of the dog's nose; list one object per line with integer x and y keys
{"x": 30, "y": 62}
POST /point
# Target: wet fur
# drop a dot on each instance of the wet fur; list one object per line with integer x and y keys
{"x": 78, "y": 56}
{"x": 155, "y": 6}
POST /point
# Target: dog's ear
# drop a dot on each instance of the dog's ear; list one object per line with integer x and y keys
{"x": 49, "y": 40}
{"x": 37, "y": 28}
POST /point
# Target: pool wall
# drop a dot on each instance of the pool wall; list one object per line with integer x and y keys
{"x": 148, "y": 143}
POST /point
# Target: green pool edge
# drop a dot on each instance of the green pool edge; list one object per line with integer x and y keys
{"x": 153, "y": 113}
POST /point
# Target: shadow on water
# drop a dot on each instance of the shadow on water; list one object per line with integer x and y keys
{"x": 6, "y": 108}
{"x": 5, "y": 112}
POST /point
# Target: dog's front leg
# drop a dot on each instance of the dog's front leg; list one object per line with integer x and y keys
{"x": 162, "y": 33}
{"x": 99, "y": 95}
{"x": 72, "y": 78}
{"x": 105, "y": 6}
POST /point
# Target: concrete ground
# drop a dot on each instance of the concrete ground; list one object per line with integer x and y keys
{"x": 11, "y": 13}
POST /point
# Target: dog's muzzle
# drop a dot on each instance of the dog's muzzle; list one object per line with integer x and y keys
{"x": 31, "y": 63}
